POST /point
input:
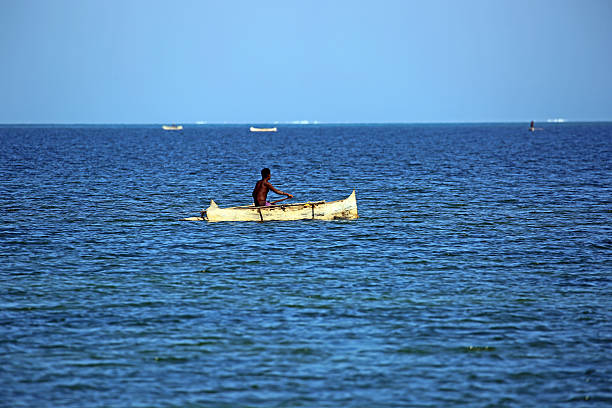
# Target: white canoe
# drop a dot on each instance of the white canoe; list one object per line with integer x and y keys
{"x": 172, "y": 127}
{"x": 318, "y": 210}
{"x": 254, "y": 129}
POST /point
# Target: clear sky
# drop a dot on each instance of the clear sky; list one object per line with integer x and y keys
{"x": 153, "y": 61}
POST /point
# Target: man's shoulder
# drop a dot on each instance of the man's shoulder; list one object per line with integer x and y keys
{"x": 261, "y": 184}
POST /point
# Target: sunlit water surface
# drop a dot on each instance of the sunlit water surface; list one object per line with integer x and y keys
{"x": 478, "y": 273}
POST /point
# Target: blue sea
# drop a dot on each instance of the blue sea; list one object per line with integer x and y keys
{"x": 479, "y": 273}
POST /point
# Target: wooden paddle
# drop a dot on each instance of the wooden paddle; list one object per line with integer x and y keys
{"x": 282, "y": 199}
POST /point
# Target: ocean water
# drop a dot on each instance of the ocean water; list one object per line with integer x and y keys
{"x": 478, "y": 273}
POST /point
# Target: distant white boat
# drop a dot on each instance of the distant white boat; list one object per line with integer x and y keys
{"x": 172, "y": 127}
{"x": 254, "y": 129}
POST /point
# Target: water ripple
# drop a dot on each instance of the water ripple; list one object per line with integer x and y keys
{"x": 478, "y": 273}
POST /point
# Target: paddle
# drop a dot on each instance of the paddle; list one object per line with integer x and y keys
{"x": 282, "y": 199}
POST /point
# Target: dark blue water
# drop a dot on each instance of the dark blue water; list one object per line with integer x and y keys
{"x": 478, "y": 273}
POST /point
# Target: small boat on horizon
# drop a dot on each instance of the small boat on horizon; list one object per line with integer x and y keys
{"x": 345, "y": 209}
{"x": 254, "y": 129}
{"x": 172, "y": 127}
{"x": 532, "y": 127}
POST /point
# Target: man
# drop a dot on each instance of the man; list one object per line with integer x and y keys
{"x": 260, "y": 193}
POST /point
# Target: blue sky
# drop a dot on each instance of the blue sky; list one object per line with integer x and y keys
{"x": 133, "y": 61}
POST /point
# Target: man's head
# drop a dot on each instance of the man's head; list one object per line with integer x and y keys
{"x": 265, "y": 173}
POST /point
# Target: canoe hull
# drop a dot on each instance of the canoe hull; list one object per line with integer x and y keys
{"x": 254, "y": 129}
{"x": 320, "y": 210}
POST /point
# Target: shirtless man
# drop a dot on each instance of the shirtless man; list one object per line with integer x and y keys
{"x": 260, "y": 193}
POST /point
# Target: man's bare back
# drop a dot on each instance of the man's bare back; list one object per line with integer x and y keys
{"x": 262, "y": 187}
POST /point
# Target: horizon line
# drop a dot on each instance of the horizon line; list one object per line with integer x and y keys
{"x": 297, "y": 123}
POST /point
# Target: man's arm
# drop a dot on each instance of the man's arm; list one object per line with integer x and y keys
{"x": 277, "y": 191}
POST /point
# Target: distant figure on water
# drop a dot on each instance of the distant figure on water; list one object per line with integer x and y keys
{"x": 532, "y": 126}
{"x": 260, "y": 193}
